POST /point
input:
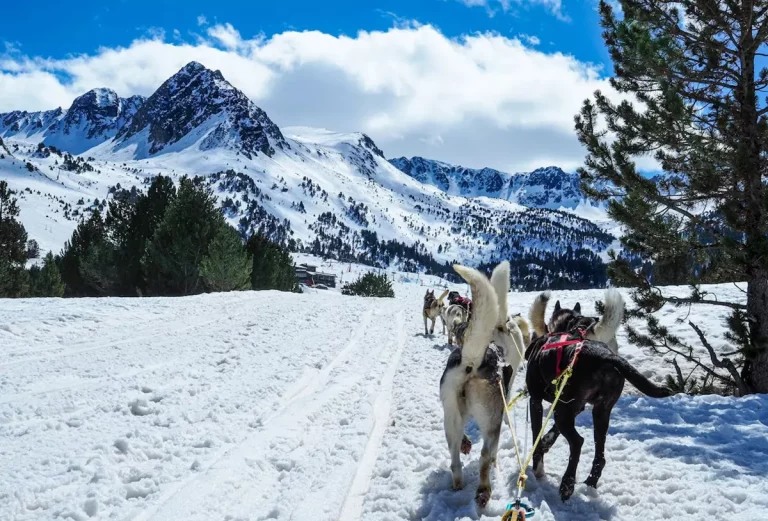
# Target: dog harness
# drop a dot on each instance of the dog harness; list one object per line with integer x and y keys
{"x": 463, "y": 302}
{"x": 561, "y": 340}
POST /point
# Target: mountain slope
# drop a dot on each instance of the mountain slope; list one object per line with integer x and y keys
{"x": 318, "y": 191}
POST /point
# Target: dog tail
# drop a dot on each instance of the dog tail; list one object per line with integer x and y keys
{"x": 442, "y": 296}
{"x": 536, "y": 315}
{"x": 613, "y": 314}
{"x": 500, "y": 283}
{"x": 636, "y": 378}
{"x": 482, "y": 322}
{"x": 522, "y": 323}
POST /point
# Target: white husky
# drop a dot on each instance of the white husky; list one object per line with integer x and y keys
{"x": 492, "y": 349}
{"x": 452, "y": 317}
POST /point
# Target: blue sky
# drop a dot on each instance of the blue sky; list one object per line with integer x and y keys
{"x": 75, "y": 27}
{"x": 473, "y": 82}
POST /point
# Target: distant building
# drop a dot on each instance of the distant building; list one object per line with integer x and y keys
{"x": 308, "y": 275}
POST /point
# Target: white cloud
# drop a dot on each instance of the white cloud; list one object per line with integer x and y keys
{"x": 202, "y": 20}
{"x": 225, "y": 35}
{"x": 492, "y": 6}
{"x": 480, "y": 100}
{"x": 530, "y": 39}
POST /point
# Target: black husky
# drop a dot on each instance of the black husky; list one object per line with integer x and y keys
{"x": 597, "y": 378}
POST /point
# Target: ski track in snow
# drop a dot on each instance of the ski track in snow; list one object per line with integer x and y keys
{"x": 265, "y": 405}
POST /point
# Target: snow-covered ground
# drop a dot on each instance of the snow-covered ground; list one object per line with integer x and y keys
{"x": 266, "y": 405}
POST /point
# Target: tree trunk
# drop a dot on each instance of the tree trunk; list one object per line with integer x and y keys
{"x": 755, "y": 371}
{"x": 749, "y": 169}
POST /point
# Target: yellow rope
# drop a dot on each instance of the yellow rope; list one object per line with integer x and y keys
{"x": 509, "y": 419}
{"x": 511, "y": 404}
{"x": 562, "y": 380}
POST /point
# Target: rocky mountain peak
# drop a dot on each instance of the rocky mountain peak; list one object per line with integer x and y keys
{"x": 199, "y": 102}
{"x": 98, "y": 113}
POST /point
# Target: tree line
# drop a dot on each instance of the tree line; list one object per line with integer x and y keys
{"x": 168, "y": 241}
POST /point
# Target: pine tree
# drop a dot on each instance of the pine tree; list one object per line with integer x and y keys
{"x": 13, "y": 246}
{"x": 33, "y": 249}
{"x": 180, "y": 242}
{"x": 227, "y": 266}
{"x": 272, "y": 265}
{"x": 46, "y": 281}
{"x": 131, "y": 223}
{"x": 699, "y": 110}
{"x": 370, "y": 285}
{"x": 78, "y": 262}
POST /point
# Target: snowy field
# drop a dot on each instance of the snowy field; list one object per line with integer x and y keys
{"x": 265, "y": 405}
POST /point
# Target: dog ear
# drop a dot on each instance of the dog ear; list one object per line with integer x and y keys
{"x": 577, "y": 308}
{"x": 557, "y": 306}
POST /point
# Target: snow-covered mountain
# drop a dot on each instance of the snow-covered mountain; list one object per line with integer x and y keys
{"x": 548, "y": 187}
{"x": 93, "y": 118}
{"x": 321, "y": 192}
{"x": 198, "y": 103}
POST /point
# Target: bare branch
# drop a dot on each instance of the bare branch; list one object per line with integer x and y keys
{"x": 678, "y": 300}
{"x": 725, "y": 363}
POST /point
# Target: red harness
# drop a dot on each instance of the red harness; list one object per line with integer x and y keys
{"x": 463, "y": 302}
{"x": 565, "y": 339}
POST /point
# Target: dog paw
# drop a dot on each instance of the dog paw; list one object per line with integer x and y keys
{"x": 482, "y": 496}
{"x": 538, "y": 469}
{"x": 567, "y": 486}
{"x": 466, "y": 445}
{"x": 458, "y": 484}
{"x": 591, "y": 481}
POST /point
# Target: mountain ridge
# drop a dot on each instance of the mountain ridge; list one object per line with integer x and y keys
{"x": 328, "y": 193}
{"x": 545, "y": 187}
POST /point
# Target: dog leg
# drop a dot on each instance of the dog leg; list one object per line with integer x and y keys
{"x": 425, "y": 325}
{"x": 432, "y": 329}
{"x": 601, "y": 417}
{"x": 487, "y": 457}
{"x": 565, "y": 419}
{"x": 454, "y": 434}
{"x": 537, "y": 411}
{"x": 549, "y": 439}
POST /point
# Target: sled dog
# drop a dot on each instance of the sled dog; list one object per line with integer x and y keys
{"x": 597, "y": 377}
{"x": 453, "y": 316}
{"x": 492, "y": 349}
{"x": 433, "y": 308}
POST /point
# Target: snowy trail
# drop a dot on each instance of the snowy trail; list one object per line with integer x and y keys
{"x": 353, "y": 504}
{"x": 264, "y": 405}
{"x": 252, "y": 476}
